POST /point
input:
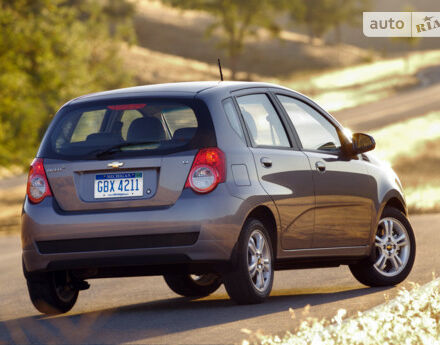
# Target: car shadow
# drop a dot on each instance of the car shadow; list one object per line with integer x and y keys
{"x": 143, "y": 321}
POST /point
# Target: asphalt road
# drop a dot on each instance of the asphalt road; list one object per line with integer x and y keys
{"x": 144, "y": 310}
{"x": 400, "y": 107}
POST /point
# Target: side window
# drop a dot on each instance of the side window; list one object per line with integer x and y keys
{"x": 89, "y": 123}
{"x": 232, "y": 115}
{"x": 314, "y": 130}
{"x": 262, "y": 120}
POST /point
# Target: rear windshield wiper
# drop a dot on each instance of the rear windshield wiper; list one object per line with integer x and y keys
{"x": 119, "y": 147}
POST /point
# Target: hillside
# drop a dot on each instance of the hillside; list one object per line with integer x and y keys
{"x": 182, "y": 33}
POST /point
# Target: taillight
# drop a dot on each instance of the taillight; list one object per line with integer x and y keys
{"x": 37, "y": 185}
{"x": 207, "y": 171}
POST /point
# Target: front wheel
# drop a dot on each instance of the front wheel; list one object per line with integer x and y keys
{"x": 394, "y": 252}
{"x": 251, "y": 279}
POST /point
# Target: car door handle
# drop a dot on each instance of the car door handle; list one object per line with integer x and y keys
{"x": 320, "y": 166}
{"x": 266, "y": 162}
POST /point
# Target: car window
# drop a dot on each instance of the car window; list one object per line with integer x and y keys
{"x": 314, "y": 130}
{"x": 179, "y": 117}
{"x": 262, "y": 120}
{"x": 89, "y": 122}
{"x": 232, "y": 116}
{"x": 127, "y": 118}
{"x": 154, "y": 126}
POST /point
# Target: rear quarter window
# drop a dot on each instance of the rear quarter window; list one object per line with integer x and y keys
{"x": 232, "y": 115}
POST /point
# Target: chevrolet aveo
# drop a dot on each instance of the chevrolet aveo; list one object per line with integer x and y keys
{"x": 206, "y": 183}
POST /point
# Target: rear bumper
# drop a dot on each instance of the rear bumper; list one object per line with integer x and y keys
{"x": 196, "y": 229}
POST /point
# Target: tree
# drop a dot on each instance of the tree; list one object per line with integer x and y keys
{"x": 47, "y": 56}
{"x": 320, "y": 16}
{"x": 236, "y": 19}
{"x": 348, "y": 12}
{"x": 314, "y": 14}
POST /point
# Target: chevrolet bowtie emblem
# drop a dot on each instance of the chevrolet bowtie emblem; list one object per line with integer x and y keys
{"x": 115, "y": 165}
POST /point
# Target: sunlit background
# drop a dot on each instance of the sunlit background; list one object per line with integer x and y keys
{"x": 54, "y": 50}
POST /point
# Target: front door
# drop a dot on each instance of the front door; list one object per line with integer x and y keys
{"x": 344, "y": 191}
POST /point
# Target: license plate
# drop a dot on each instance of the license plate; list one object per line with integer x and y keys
{"x": 118, "y": 185}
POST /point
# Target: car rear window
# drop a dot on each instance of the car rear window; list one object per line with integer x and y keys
{"x": 119, "y": 128}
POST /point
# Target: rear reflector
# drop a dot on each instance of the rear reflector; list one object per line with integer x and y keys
{"x": 126, "y": 106}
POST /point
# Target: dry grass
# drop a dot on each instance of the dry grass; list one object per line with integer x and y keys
{"x": 182, "y": 33}
{"x": 412, "y": 148}
{"x": 155, "y": 67}
{"x": 363, "y": 83}
{"x": 11, "y": 200}
{"x": 335, "y": 89}
{"x": 173, "y": 47}
{"x": 413, "y": 318}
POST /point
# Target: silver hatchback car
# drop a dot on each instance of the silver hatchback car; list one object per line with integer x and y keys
{"x": 206, "y": 183}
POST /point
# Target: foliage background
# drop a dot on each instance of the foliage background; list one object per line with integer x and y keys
{"x": 52, "y": 51}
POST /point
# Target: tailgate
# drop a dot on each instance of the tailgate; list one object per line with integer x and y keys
{"x": 140, "y": 182}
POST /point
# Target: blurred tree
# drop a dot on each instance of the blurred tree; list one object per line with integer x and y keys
{"x": 348, "y": 12}
{"x": 47, "y": 56}
{"x": 320, "y": 16}
{"x": 237, "y": 20}
{"x": 120, "y": 14}
{"x": 314, "y": 14}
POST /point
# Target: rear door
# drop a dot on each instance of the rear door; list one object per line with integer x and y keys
{"x": 283, "y": 170}
{"x": 115, "y": 156}
{"x": 343, "y": 188}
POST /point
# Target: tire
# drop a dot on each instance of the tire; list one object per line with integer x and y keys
{"x": 393, "y": 253}
{"x": 243, "y": 286}
{"x": 51, "y": 293}
{"x": 188, "y": 285}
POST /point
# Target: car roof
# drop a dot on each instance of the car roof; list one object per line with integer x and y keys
{"x": 174, "y": 88}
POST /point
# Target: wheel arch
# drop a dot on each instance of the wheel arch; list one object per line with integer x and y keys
{"x": 392, "y": 199}
{"x": 396, "y": 203}
{"x": 265, "y": 215}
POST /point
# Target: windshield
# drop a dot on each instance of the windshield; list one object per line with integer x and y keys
{"x": 149, "y": 126}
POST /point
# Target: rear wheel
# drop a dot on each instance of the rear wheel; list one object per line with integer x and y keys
{"x": 52, "y": 292}
{"x": 252, "y": 277}
{"x": 190, "y": 285}
{"x": 394, "y": 252}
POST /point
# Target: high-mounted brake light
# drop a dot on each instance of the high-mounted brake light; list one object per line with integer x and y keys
{"x": 207, "y": 171}
{"x": 37, "y": 185}
{"x": 126, "y": 106}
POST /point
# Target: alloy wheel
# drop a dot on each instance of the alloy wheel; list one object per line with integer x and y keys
{"x": 392, "y": 247}
{"x": 259, "y": 261}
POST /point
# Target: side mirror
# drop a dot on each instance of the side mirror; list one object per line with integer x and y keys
{"x": 362, "y": 143}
